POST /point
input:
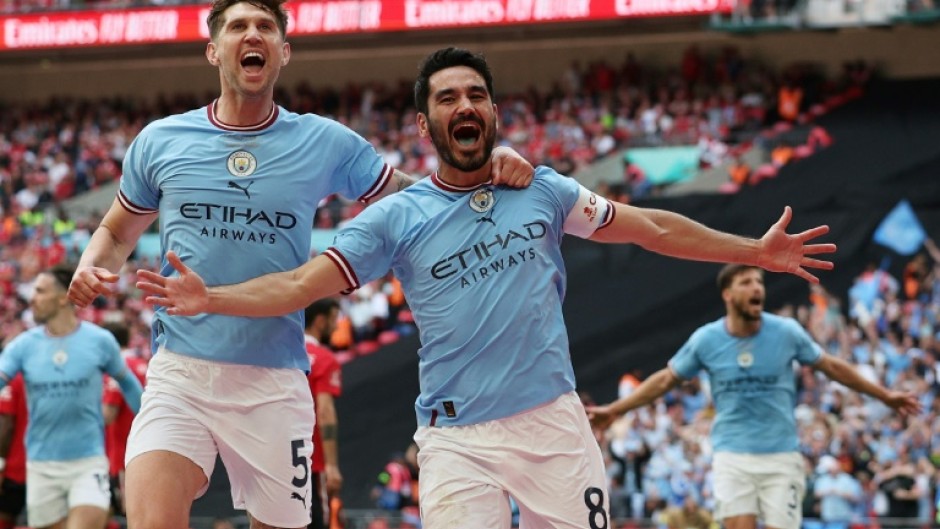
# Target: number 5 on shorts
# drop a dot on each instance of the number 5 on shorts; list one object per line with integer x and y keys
{"x": 298, "y": 460}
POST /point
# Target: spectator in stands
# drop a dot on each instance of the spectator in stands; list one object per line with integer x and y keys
{"x": 838, "y": 494}
{"x": 325, "y": 379}
{"x": 739, "y": 171}
{"x": 898, "y": 481}
{"x": 748, "y": 355}
{"x": 688, "y": 515}
{"x": 14, "y": 417}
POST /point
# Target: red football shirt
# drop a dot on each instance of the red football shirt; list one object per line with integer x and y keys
{"x": 115, "y": 434}
{"x": 324, "y": 377}
{"x": 13, "y": 402}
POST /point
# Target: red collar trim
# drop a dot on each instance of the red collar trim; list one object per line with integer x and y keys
{"x": 452, "y": 188}
{"x": 265, "y": 123}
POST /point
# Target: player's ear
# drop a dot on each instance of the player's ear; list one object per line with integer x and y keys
{"x": 422, "y": 121}
{"x": 285, "y": 55}
{"x": 211, "y": 54}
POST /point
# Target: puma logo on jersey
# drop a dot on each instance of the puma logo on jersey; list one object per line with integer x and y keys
{"x": 298, "y": 497}
{"x": 235, "y": 185}
{"x": 487, "y": 219}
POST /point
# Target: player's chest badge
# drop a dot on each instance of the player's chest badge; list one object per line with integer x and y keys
{"x": 59, "y": 358}
{"x": 242, "y": 163}
{"x": 745, "y": 359}
{"x": 482, "y": 200}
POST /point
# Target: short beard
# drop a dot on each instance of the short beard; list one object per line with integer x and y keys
{"x": 440, "y": 141}
{"x": 742, "y": 311}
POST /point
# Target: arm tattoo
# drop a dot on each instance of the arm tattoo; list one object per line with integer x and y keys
{"x": 328, "y": 431}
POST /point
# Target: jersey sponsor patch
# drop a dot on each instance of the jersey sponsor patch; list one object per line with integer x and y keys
{"x": 589, "y": 213}
{"x": 449, "y": 408}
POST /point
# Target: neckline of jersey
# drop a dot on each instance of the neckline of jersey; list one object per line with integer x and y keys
{"x": 265, "y": 123}
{"x": 436, "y": 180}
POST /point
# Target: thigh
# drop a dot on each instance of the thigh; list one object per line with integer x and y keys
{"x": 173, "y": 418}
{"x": 46, "y": 494}
{"x": 90, "y": 484}
{"x": 266, "y": 447}
{"x": 160, "y": 488}
{"x": 456, "y": 492}
{"x": 558, "y": 477}
{"x": 735, "y": 487}
{"x": 781, "y": 493}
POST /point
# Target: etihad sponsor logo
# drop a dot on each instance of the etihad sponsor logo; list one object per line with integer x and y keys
{"x": 58, "y": 388}
{"x": 473, "y": 259}
{"x": 240, "y": 218}
{"x": 748, "y": 384}
{"x": 237, "y": 215}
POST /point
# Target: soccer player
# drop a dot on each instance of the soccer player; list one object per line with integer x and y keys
{"x": 749, "y": 356}
{"x": 62, "y": 361}
{"x": 235, "y": 185}
{"x": 325, "y": 380}
{"x": 118, "y": 416}
{"x": 482, "y": 270}
{"x": 14, "y": 417}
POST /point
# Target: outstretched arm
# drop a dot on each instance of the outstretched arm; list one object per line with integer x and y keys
{"x": 675, "y": 235}
{"x": 269, "y": 295}
{"x": 845, "y": 373}
{"x": 651, "y": 389}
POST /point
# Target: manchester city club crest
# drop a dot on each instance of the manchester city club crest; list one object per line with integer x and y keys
{"x": 482, "y": 200}
{"x": 745, "y": 359}
{"x": 242, "y": 163}
{"x": 59, "y": 358}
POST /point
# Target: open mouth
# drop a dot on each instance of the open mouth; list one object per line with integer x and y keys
{"x": 252, "y": 62}
{"x": 756, "y": 302}
{"x": 467, "y": 133}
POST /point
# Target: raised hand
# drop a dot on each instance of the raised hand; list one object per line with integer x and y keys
{"x": 903, "y": 402}
{"x": 783, "y": 252}
{"x": 184, "y": 295}
{"x": 511, "y": 169}
{"x": 90, "y": 282}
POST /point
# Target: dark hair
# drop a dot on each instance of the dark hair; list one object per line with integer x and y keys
{"x": 275, "y": 7}
{"x": 120, "y": 331}
{"x": 443, "y": 59}
{"x": 320, "y": 307}
{"x": 62, "y": 273}
{"x": 728, "y": 273}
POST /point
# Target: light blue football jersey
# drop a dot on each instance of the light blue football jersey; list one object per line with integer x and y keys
{"x": 64, "y": 385}
{"x": 753, "y": 382}
{"x": 236, "y": 203}
{"x": 483, "y": 274}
